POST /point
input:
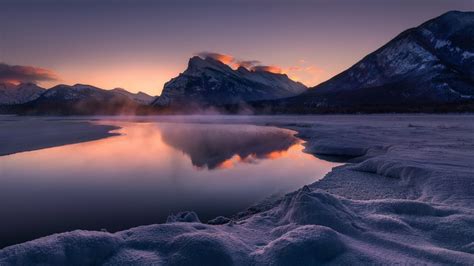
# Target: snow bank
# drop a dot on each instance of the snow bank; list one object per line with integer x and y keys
{"x": 20, "y": 134}
{"x": 308, "y": 227}
{"x": 407, "y": 200}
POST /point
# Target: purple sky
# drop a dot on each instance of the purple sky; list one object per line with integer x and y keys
{"x": 139, "y": 45}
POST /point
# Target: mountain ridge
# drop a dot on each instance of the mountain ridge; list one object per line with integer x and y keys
{"x": 78, "y": 99}
{"x": 11, "y": 94}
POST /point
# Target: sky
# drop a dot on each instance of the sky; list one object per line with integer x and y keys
{"x": 141, "y": 44}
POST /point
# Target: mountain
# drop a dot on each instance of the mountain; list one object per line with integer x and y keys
{"x": 209, "y": 82}
{"x": 140, "y": 97}
{"x": 11, "y": 94}
{"x": 79, "y": 100}
{"x": 426, "y": 67}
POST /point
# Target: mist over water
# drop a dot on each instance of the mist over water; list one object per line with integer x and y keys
{"x": 149, "y": 171}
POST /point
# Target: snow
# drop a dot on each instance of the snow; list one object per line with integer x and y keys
{"x": 404, "y": 56}
{"x": 467, "y": 55}
{"x": 442, "y": 43}
{"x": 18, "y": 94}
{"x": 28, "y": 133}
{"x": 405, "y": 198}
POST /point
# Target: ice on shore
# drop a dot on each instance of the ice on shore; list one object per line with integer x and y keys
{"x": 407, "y": 198}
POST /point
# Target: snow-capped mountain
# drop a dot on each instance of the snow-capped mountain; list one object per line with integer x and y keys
{"x": 17, "y": 94}
{"x": 78, "y": 92}
{"x": 210, "y": 82}
{"x": 139, "y": 97}
{"x": 80, "y": 99}
{"x": 430, "y": 64}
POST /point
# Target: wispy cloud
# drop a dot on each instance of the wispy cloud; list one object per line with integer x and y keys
{"x": 300, "y": 71}
{"x": 248, "y": 64}
{"x": 272, "y": 69}
{"x": 252, "y": 65}
{"x": 18, "y": 74}
{"x": 304, "y": 72}
{"x": 224, "y": 58}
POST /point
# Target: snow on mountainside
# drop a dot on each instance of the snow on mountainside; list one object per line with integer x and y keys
{"x": 11, "y": 94}
{"x": 432, "y": 63}
{"x": 17, "y": 94}
{"x": 208, "y": 81}
{"x": 75, "y": 92}
{"x": 82, "y": 99}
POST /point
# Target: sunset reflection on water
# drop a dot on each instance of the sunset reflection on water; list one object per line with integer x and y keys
{"x": 147, "y": 172}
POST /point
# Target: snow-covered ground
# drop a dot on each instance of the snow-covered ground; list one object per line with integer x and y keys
{"x": 406, "y": 197}
{"x": 19, "y": 134}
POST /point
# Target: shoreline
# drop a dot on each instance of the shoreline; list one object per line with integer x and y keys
{"x": 407, "y": 197}
{"x": 23, "y": 135}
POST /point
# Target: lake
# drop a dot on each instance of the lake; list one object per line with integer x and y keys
{"x": 146, "y": 172}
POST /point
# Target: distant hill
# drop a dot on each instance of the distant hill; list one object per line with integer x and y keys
{"x": 81, "y": 99}
{"x": 139, "y": 97}
{"x": 208, "y": 82}
{"x": 11, "y": 94}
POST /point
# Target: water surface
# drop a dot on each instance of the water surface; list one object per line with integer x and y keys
{"x": 149, "y": 171}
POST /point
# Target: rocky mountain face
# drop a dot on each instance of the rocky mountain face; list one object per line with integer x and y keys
{"x": 432, "y": 64}
{"x": 11, "y": 94}
{"x": 210, "y": 82}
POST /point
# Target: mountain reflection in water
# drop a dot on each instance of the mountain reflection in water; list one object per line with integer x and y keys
{"x": 214, "y": 146}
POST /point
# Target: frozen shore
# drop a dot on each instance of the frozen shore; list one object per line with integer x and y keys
{"x": 19, "y": 134}
{"x": 406, "y": 197}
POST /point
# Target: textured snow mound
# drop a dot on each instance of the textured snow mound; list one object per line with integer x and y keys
{"x": 307, "y": 227}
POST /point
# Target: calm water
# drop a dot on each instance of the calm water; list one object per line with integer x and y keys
{"x": 146, "y": 173}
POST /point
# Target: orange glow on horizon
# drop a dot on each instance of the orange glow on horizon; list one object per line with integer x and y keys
{"x": 145, "y": 78}
{"x": 150, "y": 78}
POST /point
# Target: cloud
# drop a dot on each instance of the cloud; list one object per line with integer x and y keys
{"x": 295, "y": 68}
{"x": 271, "y": 69}
{"x": 224, "y": 58}
{"x": 18, "y": 74}
{"x": 248, "y": 64}
{"x": 229, "y": 60}
{"x": 306, "y": 73}
{"x": 300, "y": 71}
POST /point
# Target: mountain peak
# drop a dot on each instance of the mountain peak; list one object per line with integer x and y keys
{"x": 197, "y": 61}
{"x": 18, "y": 94}
{"x": 209, "y": 81}
{"x": 83, "y": 86}
{"x": 242, "y": 69}
{"x": 197, "y": 65}
{"x": 455, "y": 14}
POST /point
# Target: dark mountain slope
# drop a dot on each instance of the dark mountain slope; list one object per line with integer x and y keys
{"x": 422, "y": 68}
